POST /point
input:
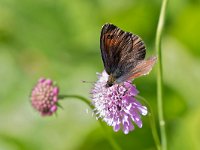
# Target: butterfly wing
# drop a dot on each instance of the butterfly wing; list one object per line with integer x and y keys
{"x": 121, "y": 51}
{"x": 142, "y": 68}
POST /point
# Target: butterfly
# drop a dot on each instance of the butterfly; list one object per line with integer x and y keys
{"x": 123, "y": 55}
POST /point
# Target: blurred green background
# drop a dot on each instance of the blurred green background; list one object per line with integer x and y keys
{"x": 59, "y": 39}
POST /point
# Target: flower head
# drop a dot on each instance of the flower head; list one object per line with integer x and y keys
{"x": 44, "y": 97}
{"x": 117, "y": 105}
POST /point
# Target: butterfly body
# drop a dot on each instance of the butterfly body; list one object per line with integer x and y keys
{"x": 113, "y": 78}
{"x": 123, "y": 55}
{"x": 111, "y": 81}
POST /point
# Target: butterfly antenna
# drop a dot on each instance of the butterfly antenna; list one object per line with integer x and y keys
{"x": 83, "y": 81}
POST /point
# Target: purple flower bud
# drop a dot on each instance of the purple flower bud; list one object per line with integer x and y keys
{"x": 116, "y": 105}
{"x": 44, "y": 97}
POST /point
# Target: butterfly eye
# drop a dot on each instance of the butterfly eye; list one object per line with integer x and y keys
{"x": 109, "y": 84}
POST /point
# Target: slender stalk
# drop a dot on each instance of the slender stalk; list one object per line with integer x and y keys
{"x": 152, "y": 122}
{"x": 160, "y": 75}
{"x": 108, "y": 135}
{"x": 77, "y": 97}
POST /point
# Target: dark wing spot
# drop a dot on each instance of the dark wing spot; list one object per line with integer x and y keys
{"x": 110, "y": 36}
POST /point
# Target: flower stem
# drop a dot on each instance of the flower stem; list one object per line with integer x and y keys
{"x": 152, "y": 122}
{"x": 160, "y": 75}
{"x": 77, "y": 97}
{"x": 108, "y": 135}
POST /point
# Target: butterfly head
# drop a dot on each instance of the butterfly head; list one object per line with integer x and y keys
{"x": 111, "y": 81}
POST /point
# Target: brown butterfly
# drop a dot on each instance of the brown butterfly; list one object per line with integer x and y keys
{"x": 123, "y": 55}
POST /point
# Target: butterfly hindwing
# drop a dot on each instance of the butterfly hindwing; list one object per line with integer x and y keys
{"x": 142, "y": 68}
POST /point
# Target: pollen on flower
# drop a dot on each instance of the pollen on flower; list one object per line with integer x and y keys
{"x": 44, "y": 97}
{"x": 116, "y": 105}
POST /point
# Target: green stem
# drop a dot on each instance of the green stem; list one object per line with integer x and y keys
{"x": 77, "y": 97}
{"x": 108, "y": 135}
{"x": 152, "y": 122}
{"x": 160, "y": 75}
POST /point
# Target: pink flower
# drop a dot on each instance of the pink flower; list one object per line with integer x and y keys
{"x": 44, "y": 97}
{"x": 117, "y": 105}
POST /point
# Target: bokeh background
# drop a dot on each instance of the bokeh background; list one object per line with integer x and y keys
{"x": 59, "y": 39}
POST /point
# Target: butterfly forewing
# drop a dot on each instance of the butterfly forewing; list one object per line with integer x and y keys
{"x": 109, "y": 45}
